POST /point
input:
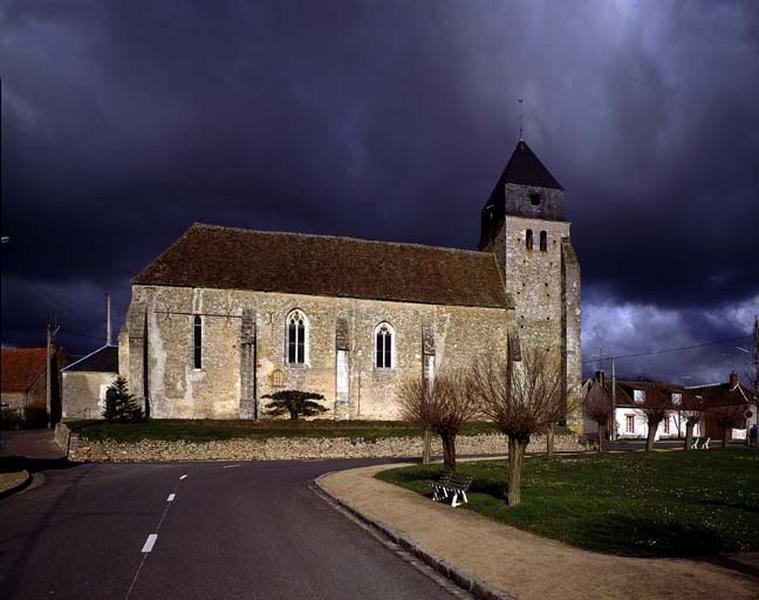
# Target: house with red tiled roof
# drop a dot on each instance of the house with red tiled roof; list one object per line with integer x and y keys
{"x": 731, "y": 408}
{"x": 628, "y": 419}
{"x": 23, "y": 385}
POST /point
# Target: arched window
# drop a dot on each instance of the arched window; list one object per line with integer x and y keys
{"x": 384, "y": 343}
{"x": 528, "y": 238}
{"x": 297, "y": 332}
{"x": 543, "y": 241}
{"x": 197, "y": 342}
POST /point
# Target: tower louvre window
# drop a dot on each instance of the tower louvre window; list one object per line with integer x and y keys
{"x": 543, "y": 241}
{"x": 535, "y": 199}
{"x": 197, "y": 342}
{"x": 528, "y": 239}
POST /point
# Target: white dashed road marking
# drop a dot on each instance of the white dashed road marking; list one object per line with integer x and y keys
{"x": 171, "y": 498}
{"x": 230, "y": 466}
{"x": 149, "y": 543}
{"x": 183, "y": 476}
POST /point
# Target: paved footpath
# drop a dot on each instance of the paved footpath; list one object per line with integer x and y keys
{"x": 525, "y": 565}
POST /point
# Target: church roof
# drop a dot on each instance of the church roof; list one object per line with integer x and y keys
{"x": 525, "y": 168}
{"x": 231, "y": 258}
{"x": 103, "y": 360}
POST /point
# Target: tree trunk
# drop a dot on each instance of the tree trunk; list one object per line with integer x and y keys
{"x": 725, "y": 436}
{"x": 516, "y": 459}
{"x": 550, "y": 439}
{"x": 652, "y": 427}
{"x": 427, "y": 450}
{"x": 689, "y": 434}
{"x": 601, "y": 436}
{"x": 449, "y": 451}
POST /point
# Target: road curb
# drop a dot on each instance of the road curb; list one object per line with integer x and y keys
{"x": 18, "y": 487}
{"x": 478, "y": 588}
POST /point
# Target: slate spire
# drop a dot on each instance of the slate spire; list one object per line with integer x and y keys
{"x": 525, "y": 168}
{"x": 526, "y": 189}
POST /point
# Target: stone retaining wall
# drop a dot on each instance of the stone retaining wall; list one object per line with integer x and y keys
{"x": 279, "y": 448}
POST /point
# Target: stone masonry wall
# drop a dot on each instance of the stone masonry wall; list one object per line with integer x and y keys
{"x": 534, "y": 279}
{"x": 82, "y": 394}
{"x": 293, "y": 448}
{"x": 177, "y": 390}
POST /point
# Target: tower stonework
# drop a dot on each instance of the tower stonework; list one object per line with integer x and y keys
{"x": 524, "y": 225}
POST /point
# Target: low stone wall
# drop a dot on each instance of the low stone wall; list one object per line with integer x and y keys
{"x": 82, "y": 449}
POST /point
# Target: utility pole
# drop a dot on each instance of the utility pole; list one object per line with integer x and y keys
{"x": 49, "y": 382}
{"x": 613, "y": 429}
{"x": 756, "y": 363}
{"x": 108, "y": 338}
{"x": 51, "y": 371}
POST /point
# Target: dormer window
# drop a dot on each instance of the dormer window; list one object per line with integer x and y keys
{"x": 535, "y": 199}
{"x": 639, "y": 396}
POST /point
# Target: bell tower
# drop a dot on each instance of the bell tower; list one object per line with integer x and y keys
{"x": 524, "y": 225}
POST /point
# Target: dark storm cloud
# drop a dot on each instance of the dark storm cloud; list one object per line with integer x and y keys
{"x": 124, "y": 122}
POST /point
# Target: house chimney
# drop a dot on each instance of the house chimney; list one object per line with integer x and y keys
{"x": 108, "y": 319}
{"x": 733, "y": 379}
{"x": 600, "y": 377}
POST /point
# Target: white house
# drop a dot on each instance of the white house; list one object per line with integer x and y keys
{"x": 629, "y": 420}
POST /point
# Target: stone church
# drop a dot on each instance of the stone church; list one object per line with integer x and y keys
{"x": 226, "y": 315}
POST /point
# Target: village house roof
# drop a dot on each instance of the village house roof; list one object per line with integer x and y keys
{"x": 625, "y": 390}
{"x": 723, "y": 394}
{"x": 232, "y": 258}
{"x": 20, "y": 368}
{"x": 103, "y": 360}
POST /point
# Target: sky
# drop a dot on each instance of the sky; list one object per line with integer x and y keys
{"x": 124, "y": 122}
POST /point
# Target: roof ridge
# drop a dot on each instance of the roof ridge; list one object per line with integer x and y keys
{"x": 197, "y": 224}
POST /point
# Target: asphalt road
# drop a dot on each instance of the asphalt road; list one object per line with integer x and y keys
{"x": 256, "y": 530}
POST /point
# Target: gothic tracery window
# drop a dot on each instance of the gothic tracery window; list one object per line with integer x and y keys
{"x": 383, "y": 354}
{"x": 297, "y": 332}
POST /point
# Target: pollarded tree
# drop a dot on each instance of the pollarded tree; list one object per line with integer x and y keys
{"x": 521, "y": 398}
{"x": 294, "y": 402}
{"x": 597, "y": 407}
{"x": 120, "y": 405}
{"x": 693, "y": 413}
{"x": 727, "y": 417}
{"x": 656, "y": 407}
{"x": 442, "y": 405}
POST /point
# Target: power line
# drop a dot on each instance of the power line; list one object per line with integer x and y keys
{"x": 67, "y": 309}
{"x": 668, "y": 350}
{"x": 80, "y": 333}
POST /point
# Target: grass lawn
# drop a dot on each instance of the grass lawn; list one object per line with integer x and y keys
{"x": 639, "y": 504}
{"x": 207, "y": 430}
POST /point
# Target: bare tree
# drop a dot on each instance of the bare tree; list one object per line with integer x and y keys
{"x": 597, "y": 407}
{"x": 521, "y": 398}
{"x": 693, "y": 413}
{"x": 442, "y": 405}
{"x": 728, "y": 417}
{"x": 656, "y": 407}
